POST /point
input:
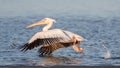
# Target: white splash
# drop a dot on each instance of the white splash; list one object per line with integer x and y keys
{"x": 107, "y": 55}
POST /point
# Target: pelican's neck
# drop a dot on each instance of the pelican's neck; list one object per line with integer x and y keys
{"x": 47, "y": 27}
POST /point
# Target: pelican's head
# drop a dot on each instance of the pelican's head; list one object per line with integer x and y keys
{"x": 43, "y": 21}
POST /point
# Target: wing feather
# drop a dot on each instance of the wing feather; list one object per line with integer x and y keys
{"x": 52, "y": 48}
{"x": 36, "y": 43}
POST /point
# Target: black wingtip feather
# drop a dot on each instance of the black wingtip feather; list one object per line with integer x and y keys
{"x": 29, "y": 46}
{"x": 24, "y": 47}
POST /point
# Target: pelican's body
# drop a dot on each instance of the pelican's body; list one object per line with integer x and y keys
{"x": 53, "y": 39}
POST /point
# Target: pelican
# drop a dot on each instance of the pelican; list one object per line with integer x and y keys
{"x": 53, "y": 39}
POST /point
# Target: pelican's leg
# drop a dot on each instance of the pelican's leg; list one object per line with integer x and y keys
{"x": 80, "y": 49}
{"x": 74, "y": 44}
{"x": 77, "y": 48}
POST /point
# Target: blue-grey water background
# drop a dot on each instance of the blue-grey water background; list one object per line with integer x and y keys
{"x": 96, "y": 20}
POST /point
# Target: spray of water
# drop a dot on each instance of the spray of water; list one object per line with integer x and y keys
{"x": 107, "y": 54}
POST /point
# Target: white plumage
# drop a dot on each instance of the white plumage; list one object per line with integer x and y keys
{"x": 52, "y": 39}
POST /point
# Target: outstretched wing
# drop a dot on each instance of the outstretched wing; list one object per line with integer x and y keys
{"x": 38, "y": 42}
{"x": 47, "y": 50}
{"x": 46, "y": 38}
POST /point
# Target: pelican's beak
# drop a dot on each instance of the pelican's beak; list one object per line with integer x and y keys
{"x": 36, "y": 24}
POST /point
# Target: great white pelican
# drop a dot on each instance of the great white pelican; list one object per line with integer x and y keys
{"x": 51, "y": 40}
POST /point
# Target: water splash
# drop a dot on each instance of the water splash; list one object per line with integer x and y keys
{"x": 107, "y": 54}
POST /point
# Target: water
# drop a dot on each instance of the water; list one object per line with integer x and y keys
{"x": 98, "y": 27}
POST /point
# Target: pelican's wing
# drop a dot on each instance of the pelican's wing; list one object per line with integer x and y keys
{"x": 46, "y": 50}
{"x": 36, "y": 43}
{"x": 46, "y": 38}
